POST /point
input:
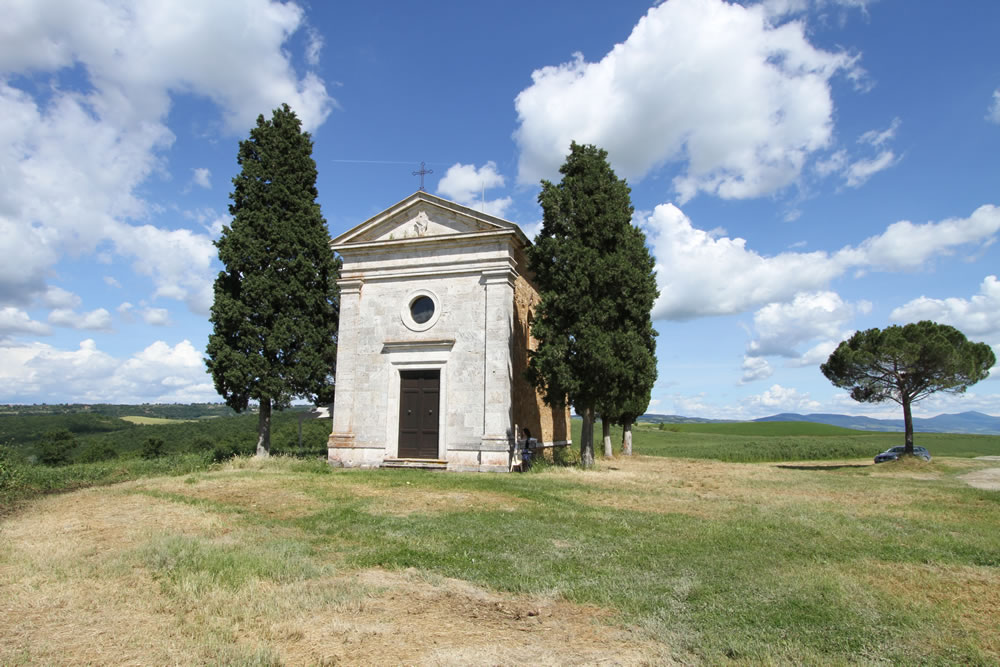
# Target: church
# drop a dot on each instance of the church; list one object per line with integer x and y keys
{"x": 435, "y": 313}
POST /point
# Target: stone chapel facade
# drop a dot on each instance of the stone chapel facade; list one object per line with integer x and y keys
{"x": 435, "y": 313}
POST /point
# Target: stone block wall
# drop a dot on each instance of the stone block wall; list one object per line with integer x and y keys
{"x": 550, "y": 425}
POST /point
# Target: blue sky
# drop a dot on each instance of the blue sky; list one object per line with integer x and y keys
{"x": 802, "y": 168}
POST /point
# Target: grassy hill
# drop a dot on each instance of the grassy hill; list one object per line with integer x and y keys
{"x": 645, "y": 561}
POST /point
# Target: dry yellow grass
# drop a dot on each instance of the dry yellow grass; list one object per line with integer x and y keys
{"x": 78, "y": 583}
{"x": 709, "y": 489}
{"x": 145, "y": 421}
{"x": 269, "y": 497}
{"x": 974, "y": 592}
{"x": 76, "y": 590}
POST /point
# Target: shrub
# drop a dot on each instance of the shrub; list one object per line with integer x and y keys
{"x": 11, "y": 476}
{"x": 152, "y": 448}
{"x": 565, "y": 456}
{"x": 56, "y": 448}
{"x": 227, "y": 450}
{"x": 200, "y": 445}
{"x": 97, "y": 452}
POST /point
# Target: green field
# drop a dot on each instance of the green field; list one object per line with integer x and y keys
{"x": 783, "y": 441}
{"x": 189, "y": 444}
{"x": 194, "y": 443}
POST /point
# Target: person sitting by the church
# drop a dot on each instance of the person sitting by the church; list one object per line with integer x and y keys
{"x": 527, "y": 444}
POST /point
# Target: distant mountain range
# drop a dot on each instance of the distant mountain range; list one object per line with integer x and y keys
{"x": 964, "y": 422}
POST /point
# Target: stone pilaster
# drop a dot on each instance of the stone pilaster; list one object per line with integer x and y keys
{"x": 497, "y": 363}
{"x": 342, "y": 436}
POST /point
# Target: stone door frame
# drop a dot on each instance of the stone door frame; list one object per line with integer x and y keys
{"x": 416, "y": 356}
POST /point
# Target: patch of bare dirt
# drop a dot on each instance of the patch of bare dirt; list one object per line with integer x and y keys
{"x": 408, "y": 619}
{"x": 988, "y": 479}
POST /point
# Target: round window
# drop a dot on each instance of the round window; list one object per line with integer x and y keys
{"x": 422, "y": 309}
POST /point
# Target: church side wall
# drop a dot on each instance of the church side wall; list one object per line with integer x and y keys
{"x": 550, "y": 425}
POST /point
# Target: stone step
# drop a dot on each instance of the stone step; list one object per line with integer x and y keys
{"x": 419, "y": 464}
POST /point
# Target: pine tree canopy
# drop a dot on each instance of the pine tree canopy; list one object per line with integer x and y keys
{"x": 906, "y": 364}
{"x": 276, "y": 301}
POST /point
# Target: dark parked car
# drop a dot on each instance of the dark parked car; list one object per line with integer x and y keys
{"x": 894, "y": 453}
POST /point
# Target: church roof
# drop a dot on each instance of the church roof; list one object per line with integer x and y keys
{"x": 425, "y": 216}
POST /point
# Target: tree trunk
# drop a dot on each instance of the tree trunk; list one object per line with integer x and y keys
{"x": 908, "y": 426}
{"x": 606, "y": 433}
{"x": 627, "y": 439}
{"x": 587, "y": 439}
{"x": 264, "y": 428}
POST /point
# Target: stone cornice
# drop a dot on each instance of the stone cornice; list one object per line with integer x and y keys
{"x": 459, "y": 239}
{"x": 440, "y": 344}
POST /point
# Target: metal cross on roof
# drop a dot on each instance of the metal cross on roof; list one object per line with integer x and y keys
{"x": 421, "y": 174}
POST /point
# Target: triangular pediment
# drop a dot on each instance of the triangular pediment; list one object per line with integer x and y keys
{"x": 422, "y": 215}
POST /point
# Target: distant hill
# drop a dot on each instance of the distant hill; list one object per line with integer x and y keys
{"x": 975, "y": 423}
{"x": 677, "y": 419}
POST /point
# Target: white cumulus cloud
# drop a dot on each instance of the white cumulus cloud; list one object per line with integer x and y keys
{"x": 755, "y": 368}
{"x": 75, "y": 156}
{"x": 57, "y": 297}
{"x": 741, "y": 102}
{"x": 905, "y": 246}
{"x": 96, "y": 320}
{"x": 700, "y": 273}
{"x": 157, "y": 317}
{"x": 781, "y": 328}
{"x": 466, "y": 184}
{"x": 977, "y": 317}
{"x": 160, "y": 373}
{"x": 202, "y": 177}
{"x": 779, "y": 399}
{"x": 178, "y": 261}
{"x": 14, "y": 321}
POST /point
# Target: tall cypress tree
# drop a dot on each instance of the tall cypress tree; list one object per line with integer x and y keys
{"x": 593, "y": 289}
{"x": 629, "y": 382}
{"x": 276, "y": 303}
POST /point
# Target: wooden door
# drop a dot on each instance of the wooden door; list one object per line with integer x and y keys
{"x": 418, "y": 414}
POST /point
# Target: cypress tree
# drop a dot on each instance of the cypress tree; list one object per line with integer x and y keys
{"x": 594, "y": 286}
{"x": 629, "y": 382}
{"x": 276, "y": 302}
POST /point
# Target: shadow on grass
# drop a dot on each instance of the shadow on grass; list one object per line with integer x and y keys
{"x": 823, "y": 467}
